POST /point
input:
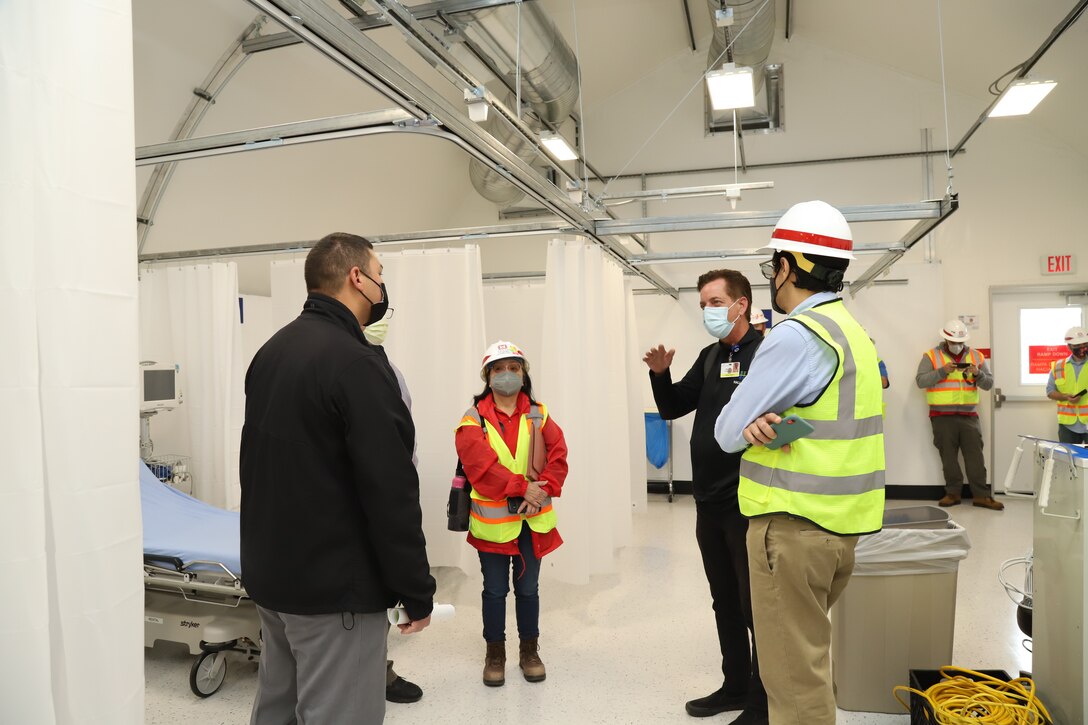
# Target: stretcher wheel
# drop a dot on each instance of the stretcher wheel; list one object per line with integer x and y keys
{"x": 208, "y": 673}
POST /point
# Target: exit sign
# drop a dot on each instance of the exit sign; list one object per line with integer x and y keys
{"x": 1058, "y": 264}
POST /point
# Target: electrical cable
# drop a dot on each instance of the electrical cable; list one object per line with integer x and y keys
{"x": 995, "y": 89}
{"x": 944, "y": 94}
{"x": 702, "y": 79}
{"x": 581, "y": 108}
{"x": 967, "y": 697}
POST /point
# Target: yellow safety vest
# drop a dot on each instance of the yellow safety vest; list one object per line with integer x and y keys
{"x": 490, "y": 520}
{"x": 953, "y": 394}
{"x": 1070, "y": 412}
{"x": 834, "y": 477}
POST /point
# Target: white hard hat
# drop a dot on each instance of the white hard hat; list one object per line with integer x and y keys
{"x": 757, "y": 317}
{"x": 500, "y": 351}
{"x": 1076, "y": 336}
{"x": 955, "y": 331}
{"x": 813, "y": 227}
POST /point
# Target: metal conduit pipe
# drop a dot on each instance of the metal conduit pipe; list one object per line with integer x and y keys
{"x": 549, "y": 78}
{"x": 752, "y": 46}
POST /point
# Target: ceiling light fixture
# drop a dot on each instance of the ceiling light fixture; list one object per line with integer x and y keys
{"x": 1022, "y": 97}
{"x": 558, "y": 146}
{"x": 730, "y": 87}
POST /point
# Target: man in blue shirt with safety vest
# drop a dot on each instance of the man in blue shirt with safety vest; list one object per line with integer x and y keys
{"x": 1066, "y": 385}
{"x": 807, "y": 502}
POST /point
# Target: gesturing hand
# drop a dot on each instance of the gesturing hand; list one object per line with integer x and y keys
{"x": 658, "y": 359}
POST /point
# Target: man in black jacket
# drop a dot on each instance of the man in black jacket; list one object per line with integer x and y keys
{"x": 331, "y": 524}
{"x": 726, "y": 299}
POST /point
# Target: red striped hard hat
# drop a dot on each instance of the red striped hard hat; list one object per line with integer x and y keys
{"x": 813, "y": 228}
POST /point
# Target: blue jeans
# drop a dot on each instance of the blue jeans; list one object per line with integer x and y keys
{"x": 496, "y": 571}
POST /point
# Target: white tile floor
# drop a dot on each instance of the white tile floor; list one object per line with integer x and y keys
{"x": 627, "y": 648}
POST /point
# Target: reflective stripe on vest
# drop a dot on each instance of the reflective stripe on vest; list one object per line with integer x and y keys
{"x": 835, "y": 476}
{"x": 953, "y": 394}
{"x": 1070, "y": 412}
{"x": 490, "y": 520}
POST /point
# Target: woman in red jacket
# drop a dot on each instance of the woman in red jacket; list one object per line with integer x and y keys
{"x": 515, "y": 457}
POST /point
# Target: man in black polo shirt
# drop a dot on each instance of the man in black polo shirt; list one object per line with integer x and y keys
{"x": 725, "y": 297}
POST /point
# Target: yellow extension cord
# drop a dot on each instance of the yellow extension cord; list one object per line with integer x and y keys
{"x": 960, "y": 700}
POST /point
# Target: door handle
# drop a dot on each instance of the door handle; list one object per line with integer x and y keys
{"x": 998, "y": 398}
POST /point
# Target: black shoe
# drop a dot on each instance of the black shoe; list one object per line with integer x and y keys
{"x": 720, "y": 701}
{"x": 753, "y": 717}
{"x": 401, "y": 690}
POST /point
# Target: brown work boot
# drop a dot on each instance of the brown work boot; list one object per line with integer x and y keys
{"x": 989, "y": 503}
{"x": 531, "y": 666}
{"x": 949, "y": 499}
{"x": 495, "y": 664}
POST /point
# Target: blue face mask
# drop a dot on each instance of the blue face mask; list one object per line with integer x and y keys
{"x": 716, "y": 321}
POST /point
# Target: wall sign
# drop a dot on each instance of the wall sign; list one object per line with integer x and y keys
{"x": 1041, "y": 356}
{"x": 1058, "y": 264}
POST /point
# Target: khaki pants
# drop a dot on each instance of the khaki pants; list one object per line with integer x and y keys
{"x": 797, "y": 572}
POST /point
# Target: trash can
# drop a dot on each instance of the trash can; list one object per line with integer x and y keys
{"x": 898, "y": 612}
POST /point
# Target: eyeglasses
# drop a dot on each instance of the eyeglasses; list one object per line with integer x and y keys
{"x": 767, "y": 268}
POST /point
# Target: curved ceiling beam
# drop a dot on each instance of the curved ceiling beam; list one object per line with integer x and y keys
{"x": 203, "y": 97}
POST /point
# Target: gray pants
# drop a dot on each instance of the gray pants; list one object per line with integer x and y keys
{"x": 321, "y": 669}
{"x": 1066, "y": 435}
{"x": 953, "y": 435}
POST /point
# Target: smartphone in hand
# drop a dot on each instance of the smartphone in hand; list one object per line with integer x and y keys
{"x": 963, "y": 365}
{"x": 788, "y": 430}
{"x": 1080, "y": 394}
{"x": 514, "y": 503}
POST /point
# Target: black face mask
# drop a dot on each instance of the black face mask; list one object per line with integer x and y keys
{"x": 1079, "y": 351}
{"x": 774, "y": 295}
{"x": 377, "y": 309}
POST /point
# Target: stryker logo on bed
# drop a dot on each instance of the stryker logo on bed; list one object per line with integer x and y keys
{"x": 190, "y": 625}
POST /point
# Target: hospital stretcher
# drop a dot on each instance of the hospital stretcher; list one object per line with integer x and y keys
{"x": 193, "y": 590}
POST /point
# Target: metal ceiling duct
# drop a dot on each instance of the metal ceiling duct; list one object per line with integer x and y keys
{"x": 753, "y": 45}
{"x": 491, "y": 184}
{"x": 549, "y": 78}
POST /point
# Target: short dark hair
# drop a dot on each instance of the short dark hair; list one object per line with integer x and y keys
{"x": 330, "y": 260}
{"x": 826, "y": 274}
{"x": 736, "y": 285}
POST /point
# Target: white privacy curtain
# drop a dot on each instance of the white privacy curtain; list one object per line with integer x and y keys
{"x": 584, "y": 380}
{"x": 189, "y": 315}
{"x": 71, "y": 614}
{"x": 436, "y": 339}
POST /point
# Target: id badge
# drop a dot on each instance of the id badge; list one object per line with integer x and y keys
{"x": 730, "y": 369}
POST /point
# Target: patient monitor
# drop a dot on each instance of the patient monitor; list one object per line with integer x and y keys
{"x": 158, "y": 387}
{"x": 158, "y": 392}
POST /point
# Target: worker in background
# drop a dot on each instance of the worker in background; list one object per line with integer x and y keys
{"x": 515, "y": 457}
{"x": 397, "y": 689}
{"x": 807, "y": 502}
{"x": 1067, "y": 383}
{"x": 331, "y": 527}
{"x": 951, "y": 374}
{"x": 726, "y": 299}
{"x": 759, "y": 321}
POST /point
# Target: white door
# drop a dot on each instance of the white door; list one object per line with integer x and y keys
{"x": 1028, "y": 325}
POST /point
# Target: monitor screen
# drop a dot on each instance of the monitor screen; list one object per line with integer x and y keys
{"x": 158, "y": 385}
